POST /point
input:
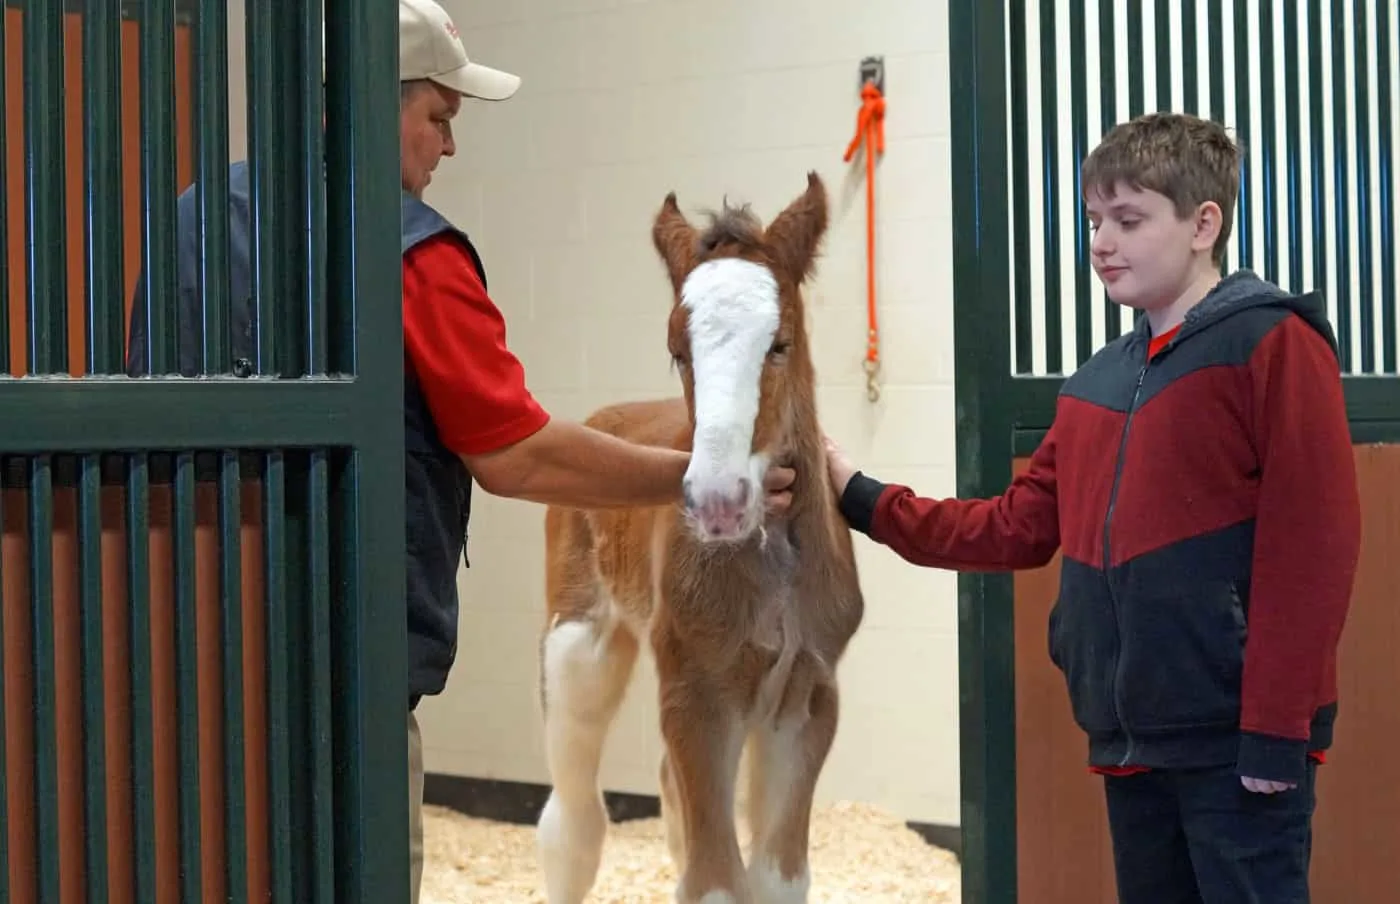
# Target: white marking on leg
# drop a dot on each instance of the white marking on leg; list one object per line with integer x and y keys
{"x": 776, "y": 758}
{"x": 585, "y": 678}
{"x": 768, "y": 886}
{"x": 717, "y": 897}
{"x": 733, "y": 307}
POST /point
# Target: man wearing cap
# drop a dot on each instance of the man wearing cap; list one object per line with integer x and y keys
{"x": 467, "y": 411}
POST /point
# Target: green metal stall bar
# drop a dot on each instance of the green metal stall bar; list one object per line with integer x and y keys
{"x": 1308, "y": 87}
{"x": 203, "y": 622}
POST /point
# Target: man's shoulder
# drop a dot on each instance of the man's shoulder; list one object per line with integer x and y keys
{"x": 238, "y": 187}
{"x": 431, "y": 238}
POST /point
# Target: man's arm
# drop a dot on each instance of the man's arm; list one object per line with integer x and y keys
{"x": 571, "y": 464}
{"x": 1018, "y": 529}
{"x": 1307, "y": 540}
{"x": 455, "y": 339}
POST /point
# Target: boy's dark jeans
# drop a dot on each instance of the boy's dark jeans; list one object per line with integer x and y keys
{"x": 1198, "y": 836}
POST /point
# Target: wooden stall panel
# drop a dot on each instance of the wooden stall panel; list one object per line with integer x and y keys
{"x": 1356, "y": 854}
{"x": 74, "y": 189}
{"x": 1063, "y": 848}
{"x": 116, "y": 667}
{"x": 1062, "y": 845}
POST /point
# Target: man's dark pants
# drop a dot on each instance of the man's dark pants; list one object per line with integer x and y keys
{"x": 1200, "y": 837}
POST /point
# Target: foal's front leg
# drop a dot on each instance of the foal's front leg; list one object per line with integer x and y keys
{"x": 786, "y": 760}
{"x": 704, "y": 738}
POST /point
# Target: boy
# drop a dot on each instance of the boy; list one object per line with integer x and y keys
{"x": 1199, "y": 481}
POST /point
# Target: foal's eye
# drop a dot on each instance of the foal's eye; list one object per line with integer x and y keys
{"x": 778, "y": 348}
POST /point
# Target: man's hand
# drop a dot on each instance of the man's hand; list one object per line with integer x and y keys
{"x": 838, "y": 466}
{"x": 777, "y": 486}
{"x": 1264, "y": 786}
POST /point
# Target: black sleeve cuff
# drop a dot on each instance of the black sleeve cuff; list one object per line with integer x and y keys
{"x": 859, "y": 499}
{"x": 1272, "y": 759}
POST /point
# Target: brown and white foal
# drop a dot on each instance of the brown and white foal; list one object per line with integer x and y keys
{"x": 745, "y": 614}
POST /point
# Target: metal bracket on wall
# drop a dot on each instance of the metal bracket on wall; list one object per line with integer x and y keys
{"x": 872, "y": 69}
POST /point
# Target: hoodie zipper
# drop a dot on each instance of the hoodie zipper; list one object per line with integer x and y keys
{"x": 1107, "y": 558}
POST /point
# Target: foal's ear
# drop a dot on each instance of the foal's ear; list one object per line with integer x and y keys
{"x": 795, "y": 234}
{"x": 674, "y": 239}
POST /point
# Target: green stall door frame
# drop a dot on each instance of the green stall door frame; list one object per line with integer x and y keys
{"x": 315, "y": 418}
{"x": 1004, "y": 404}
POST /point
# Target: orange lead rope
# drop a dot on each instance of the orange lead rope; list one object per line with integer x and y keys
{"x": 870, "y": 129}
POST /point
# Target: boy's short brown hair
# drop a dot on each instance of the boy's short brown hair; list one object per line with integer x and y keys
{"x": 1188, "y": 159}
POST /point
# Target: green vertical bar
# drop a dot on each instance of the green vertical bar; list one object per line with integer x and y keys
{"x": 1293, "y": 153}
{"x": 1341, "y": 191}
{"x": 266, "y": 180}
{"x": 104, "y": 277}
{"x": 1316, "y": 136}
{"x": 1050, "y": 173}
{"x": 280, "y": 840}
{"x": 231, "y": 648}
{"x": 1020, "y": 185}
{"x": 1385, "y": 175}
{"x": 158, "y": 248}
{"x": 211, "y": 183}
{"x": 297, "y": 671}
{"x": 1266, "y": 156}
{"x": 45, "y": 681}
{"x": 44, "y": 164}
{"x": 1215, "y": 21}
{"x": 289, "y": 212}
{"x": 138, "y": 572}
{"x": 1190, "y": 80}
{"x": 187, "y": 678}
{"x": 1244, "y": 52}
{"x": 1108, "y": 118}
{"x": 1137, "y": 86}
{"x": 1163, "y": 42}
{"x": 1079, "y": 136}
{"x": 986, "y": 636}
{"x": 4, "y": 258}
{"x": 1365, "y": 211}
{"x": 314, "y": 174}
{"x": 318, "y": 633}
{"x": 102, "y": 176}
{"x": 94, "y": 710}
{"x": 369, "y": 638}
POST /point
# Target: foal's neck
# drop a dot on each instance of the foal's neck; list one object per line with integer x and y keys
{"x": 813, "y": 501}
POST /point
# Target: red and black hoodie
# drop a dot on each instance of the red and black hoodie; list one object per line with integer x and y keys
{"x": 1202, "y": 491}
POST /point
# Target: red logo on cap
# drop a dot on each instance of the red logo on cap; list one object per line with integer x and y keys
{"x": 451, "y": 29}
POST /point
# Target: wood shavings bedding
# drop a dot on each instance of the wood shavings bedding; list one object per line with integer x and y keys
{"x": 859, "y": 854}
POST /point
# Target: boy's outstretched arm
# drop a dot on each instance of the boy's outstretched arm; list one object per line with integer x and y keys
{"x": 1307, "y": 540}
{"x": 1018, "y": 529}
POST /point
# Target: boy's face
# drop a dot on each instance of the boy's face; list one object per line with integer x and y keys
{"x": 1146, "y": 256}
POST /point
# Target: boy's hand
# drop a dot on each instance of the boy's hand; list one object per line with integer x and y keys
{"x": 1264, "y": 786}
{"x": 838, "y": 466}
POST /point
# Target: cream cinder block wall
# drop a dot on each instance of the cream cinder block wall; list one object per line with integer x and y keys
{"x": 621, "y": 103}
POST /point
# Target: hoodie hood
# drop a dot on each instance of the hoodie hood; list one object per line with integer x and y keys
{"x": 1243, "y": 290}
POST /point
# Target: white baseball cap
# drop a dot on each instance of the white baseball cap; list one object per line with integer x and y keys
{"x": 431, "y": 48}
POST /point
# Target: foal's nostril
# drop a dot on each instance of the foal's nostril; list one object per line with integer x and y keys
{"x": 744, "y": 489}
{"x": 688, "y": 497}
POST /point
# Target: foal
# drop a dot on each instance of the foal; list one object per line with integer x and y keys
{"x": 745, "y": 614}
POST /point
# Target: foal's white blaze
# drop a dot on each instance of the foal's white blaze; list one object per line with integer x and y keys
{"x": 733, "y": 307}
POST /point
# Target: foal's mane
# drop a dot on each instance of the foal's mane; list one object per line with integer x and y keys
{"x": 730, "y": 226}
